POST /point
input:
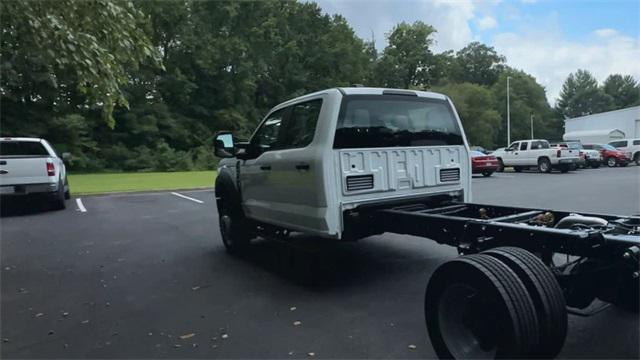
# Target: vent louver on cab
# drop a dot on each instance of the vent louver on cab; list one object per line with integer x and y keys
{"x": 359, "y": 182}
{"x": 447, "y": 175}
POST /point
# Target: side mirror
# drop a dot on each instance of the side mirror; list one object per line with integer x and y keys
{"x": 223, "y": 145}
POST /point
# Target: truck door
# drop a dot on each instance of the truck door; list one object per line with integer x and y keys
{"x": 509, "y": 156}
{"x": 521, "y": 154}
{"x": 255, "y": 172}
{"x": 283, "y": 187}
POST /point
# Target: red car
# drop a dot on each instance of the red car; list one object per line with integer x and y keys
{"x": 610, "y": 155}
{"x": 483, "y": 164}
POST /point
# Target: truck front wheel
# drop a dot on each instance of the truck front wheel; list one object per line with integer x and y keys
{"x": 233, "y": 228}
{"x": 612, "y": 162}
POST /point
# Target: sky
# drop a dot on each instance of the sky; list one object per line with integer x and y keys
{"x": 545, "y": 38}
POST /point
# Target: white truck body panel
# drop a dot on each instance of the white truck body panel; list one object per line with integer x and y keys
{"x": 313, "y": 200}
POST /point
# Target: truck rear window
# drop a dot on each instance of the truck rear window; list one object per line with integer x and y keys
{"x": 22, "y": 148}
{"x": 367, "y": 121}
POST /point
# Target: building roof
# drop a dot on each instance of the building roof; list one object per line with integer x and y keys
{"x": 592, "y": 132}
{"x": 630, "y": 110}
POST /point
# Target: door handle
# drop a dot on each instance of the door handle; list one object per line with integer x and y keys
{"x": 265, "y": 167}
{"x": 302, "y": 167}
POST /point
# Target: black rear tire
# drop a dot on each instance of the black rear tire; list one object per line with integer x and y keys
{"x": 67, "y": 194}
{"x": 517, "y": 169}
{"x": 595, "y": 165}
{"x": 565, "y": 168}
{"x": 544, "y": 165}
{"x": 546, "y": 294}
{"x": 500, "y": 166}
{"x": 59, "y": 202}
{"x": 487, "y": 173}
{"x": 475, "y": 306}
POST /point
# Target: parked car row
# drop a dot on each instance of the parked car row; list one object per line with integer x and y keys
{"x": 563, "y": 156}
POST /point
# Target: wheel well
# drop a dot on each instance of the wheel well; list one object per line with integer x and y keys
{"x": 543, "y": 157}
{"x": 636, "y": 155}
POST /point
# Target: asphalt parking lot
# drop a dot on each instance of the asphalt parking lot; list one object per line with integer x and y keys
{"x": 146, "y": 275}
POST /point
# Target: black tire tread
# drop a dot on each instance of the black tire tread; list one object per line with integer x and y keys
{"x": 546, "y": 293}
{"x": 523, "y": 306}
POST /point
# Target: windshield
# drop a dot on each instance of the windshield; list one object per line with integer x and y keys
{"x": 388, "y": 121}
{"x": 22, "y": 148}
{"x": 608, "y": 147}
{"x": 476, "y": 153}
{"x": 574, "y": 145}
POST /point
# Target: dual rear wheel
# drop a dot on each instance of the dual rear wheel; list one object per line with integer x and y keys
{"x": 503, "y": 303}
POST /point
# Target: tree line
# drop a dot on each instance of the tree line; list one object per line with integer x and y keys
{"x": 144, "y": 85}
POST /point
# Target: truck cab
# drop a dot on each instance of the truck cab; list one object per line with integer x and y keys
{"x": 315, "y": 161}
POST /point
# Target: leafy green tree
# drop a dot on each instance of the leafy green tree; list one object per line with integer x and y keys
{"x": 408, "y": 60}
{"x": 527, "y": 99}
{"x": 624, "y": 90}
{"x": 69, "y": 53}
{"x": 581, "y": 95}
{"x": 477, "y": 63}
{"x": 476, "y": 107}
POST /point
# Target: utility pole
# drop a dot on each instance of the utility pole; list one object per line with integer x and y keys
{"x": 531, "y": 118}
{"x": 508, "y": 114}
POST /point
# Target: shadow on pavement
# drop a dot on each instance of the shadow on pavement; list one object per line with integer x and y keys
{"x": 322, "y": 264}
{"x": 23, "y": 205}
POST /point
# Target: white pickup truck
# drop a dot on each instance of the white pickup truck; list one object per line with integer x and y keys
{"x": 526, "y": 154}
{"x": 30, "y": 166}
{"x": 346, "y": 163}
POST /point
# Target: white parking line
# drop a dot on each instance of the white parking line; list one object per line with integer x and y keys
{"x": 188, "y": 198}
{"x": 80, "y": 205}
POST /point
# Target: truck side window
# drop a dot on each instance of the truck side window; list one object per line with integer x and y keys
{"x": 523, "y": 145}
{"x": 618, "y": 144}
{"x": 636, "y": 142}
{"x": 266, "y": 138}
{"x": 300, "y": 127}
{"x": 514, "y": 146}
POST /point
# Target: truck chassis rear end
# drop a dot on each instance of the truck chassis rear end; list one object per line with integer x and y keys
{"x": 563, "y": 261}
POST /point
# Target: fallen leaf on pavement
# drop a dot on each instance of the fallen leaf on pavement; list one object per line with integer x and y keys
{"x": 412, "y": 347}
{"x": 312, "y": 354}
{"x": 187, "y": 336}
{"x": 293, "y": 308}
{"x": 39, "y": 314}
{"x": 297, "y": 323}
{"x": 224, "y": 336}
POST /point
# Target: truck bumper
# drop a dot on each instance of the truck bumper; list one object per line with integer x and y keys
{"x": 28, "y": 189}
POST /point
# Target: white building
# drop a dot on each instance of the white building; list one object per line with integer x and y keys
{"x": 604, "y": 127}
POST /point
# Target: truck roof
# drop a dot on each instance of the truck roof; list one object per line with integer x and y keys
{"x": 361, "y": 91}
{"x": 9, "y": 138}
{"x": 379, "y": 91}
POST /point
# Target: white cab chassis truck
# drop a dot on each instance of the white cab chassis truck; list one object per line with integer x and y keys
{"x": 30, "y": 166}
{"x": 347, "y": 163}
